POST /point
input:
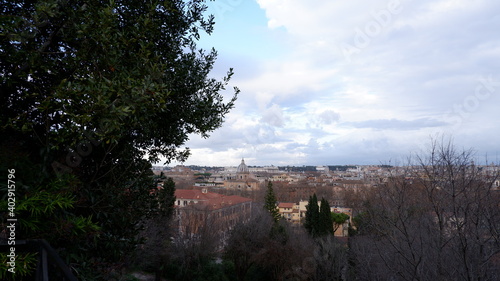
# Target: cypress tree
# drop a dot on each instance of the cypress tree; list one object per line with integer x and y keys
{"x": 271, "y": 203}
{"x": 325, "y": 218}
{"x": 312, "y": 215}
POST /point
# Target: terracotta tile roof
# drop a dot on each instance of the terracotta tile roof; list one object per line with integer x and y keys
{"x": 195, "y": 194}
{"x": 286, "y": 205}
{"x": 225, "y": 201}
{"x": 210, "y": 200}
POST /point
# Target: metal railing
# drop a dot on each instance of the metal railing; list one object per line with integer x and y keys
{"x": 47, "y": 259}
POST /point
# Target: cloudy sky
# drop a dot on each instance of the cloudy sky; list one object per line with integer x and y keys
{"x": 354, "y": 82}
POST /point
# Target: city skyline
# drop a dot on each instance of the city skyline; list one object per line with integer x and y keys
{"x": 362, "y": 82}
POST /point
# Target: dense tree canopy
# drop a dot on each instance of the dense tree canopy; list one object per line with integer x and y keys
{"x": 318, "y": 219}
{"x": 126, "y": 70}
{"x": 92, "y": 92}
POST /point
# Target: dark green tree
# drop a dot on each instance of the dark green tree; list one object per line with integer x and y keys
{"x": 312, "y": 215}
{"x": 271, "y": 204}
{"x": 325, "y": 225}
{"x": 91, "y": 93}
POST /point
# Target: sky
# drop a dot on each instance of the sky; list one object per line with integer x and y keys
{"x": 353, "y": 82}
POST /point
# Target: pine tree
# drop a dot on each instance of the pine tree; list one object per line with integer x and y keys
{"x": 271, "y": 203}
{"x": 339, "y": 219}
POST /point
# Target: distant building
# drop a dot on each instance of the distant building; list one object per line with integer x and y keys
{"x": 323, "y": 169}
{"x": 199, "y": 210}
{"x": 180, "y": 173}
{"x": 289, "y": 211}
{"x": 296, "y": 213}
{"x": 243, "y": 179}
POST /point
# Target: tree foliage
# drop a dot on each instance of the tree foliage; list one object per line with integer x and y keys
{"x": 246, "y": 241}
{"x": 153, "y": 253}
{"x": 262, "y": 249}
{"x": 330, "y": 257}
{"x": 318, "y": 220}
{"x": 312, "y": 215}
{"x": 271, "y": 204}
{"x": 338, "y": 219}
{"x": 92, "y": 92}
{"x": 325, "y": 225}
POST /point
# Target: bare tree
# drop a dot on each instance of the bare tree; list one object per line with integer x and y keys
{"x": 279, "y": 250}
{"x": 246, "y": 240}
{"x": 466, "y": 212}
{"x": 196, "y": 243}
{"x": 153, "y": 254}
{"x": 437, "y": 220}
{"x": 330, "y": 257}
{"x": 326, "y": 192}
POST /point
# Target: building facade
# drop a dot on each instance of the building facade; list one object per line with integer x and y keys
{"x": 242, "y": 179}
{"x": 198, "y": 211}
{"x": 296, "y": 213}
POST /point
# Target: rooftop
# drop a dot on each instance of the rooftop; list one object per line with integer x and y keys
{"x": 210, "y": 200}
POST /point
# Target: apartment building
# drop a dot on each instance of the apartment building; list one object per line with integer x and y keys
{"x": 198, "y": 209}
{"x": 296, "y": 212}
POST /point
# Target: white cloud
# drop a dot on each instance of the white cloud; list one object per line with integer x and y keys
{"x": 415, "y": 74}
{"x": 329, "y": 117}
{"x": 273, "y": 116}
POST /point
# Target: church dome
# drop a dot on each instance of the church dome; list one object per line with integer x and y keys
{"x": 243, "y": 168}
